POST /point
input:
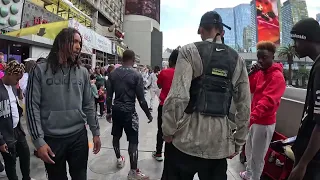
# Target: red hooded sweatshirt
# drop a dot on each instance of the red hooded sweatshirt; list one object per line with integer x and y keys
{"x": 267, "y": 88}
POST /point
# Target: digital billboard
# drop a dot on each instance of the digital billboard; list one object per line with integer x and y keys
{"x": 268, "y": 21}
{"x": 148, "y": 8}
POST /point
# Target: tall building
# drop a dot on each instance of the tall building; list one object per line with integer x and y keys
{"x": 241, "y": 21}
{"x": 142, "y": 28}
{"x": 237, "y": 19}
{"x": 292, "y": 11}
{"x": 247, "y": 39}
{"x": 253, "y": 19}
{"x": 228, "y": 18}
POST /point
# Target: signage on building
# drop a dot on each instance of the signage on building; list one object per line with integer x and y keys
{"x": 120, "y": 51}
{"x": 103, "y": 44}
{"x": 36, "y": 21}
{"x": 118, "y": 34}
{"x": 34, "y": 15}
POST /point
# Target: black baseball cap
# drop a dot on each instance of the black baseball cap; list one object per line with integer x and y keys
{"x": 306, "y": 29}
{"x": 212, "y": 17}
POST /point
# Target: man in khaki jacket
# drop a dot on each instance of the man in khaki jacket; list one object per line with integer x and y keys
{"x": 195, "y": 141}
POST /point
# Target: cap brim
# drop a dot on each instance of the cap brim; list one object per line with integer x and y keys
{"x": 224, "y": 25}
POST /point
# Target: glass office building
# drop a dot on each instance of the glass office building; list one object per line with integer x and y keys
{"x": 227, "y": 16}
{"x": 292, "y": 11}
{"x": 242, "y": 13}
{"x": 237, "y": 19}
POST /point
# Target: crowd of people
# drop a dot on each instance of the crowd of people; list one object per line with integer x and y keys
{"x": 195, "y": 93}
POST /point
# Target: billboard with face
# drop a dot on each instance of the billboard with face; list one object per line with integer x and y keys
{"x": 148, "y": 8}
{"x": 268, "y": 21}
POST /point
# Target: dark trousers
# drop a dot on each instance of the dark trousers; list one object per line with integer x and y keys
{"x": 1, "y": 167}
{"x": 18, "y": 149}
{"x": 180, "y": 166}
{"x": 101, "y": 105}
{"x": 313, "y": 169}
{"x": 73, "y": 150}
{"x": 159, "y": 134}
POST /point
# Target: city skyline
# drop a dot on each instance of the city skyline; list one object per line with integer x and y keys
{"x": 237, "y": 18}
{"x": 180, "y": 18}
{"x": 292, "y": 11}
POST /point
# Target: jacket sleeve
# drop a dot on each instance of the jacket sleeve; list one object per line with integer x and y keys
{"x": 178, "y": 97}
{"x": 253, "y": 81}
{"x": 242, "y": 102}
{"x": 88, "y": 106}
{"x": 272, "y": 95}
{"x": 316, "y": 95}
{"x": 33, "y": 107}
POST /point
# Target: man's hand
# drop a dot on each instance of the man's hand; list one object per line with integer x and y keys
{"x": 233, "y": 155}
{"x": 150, "y": 119}
{"x": 168, "y": 139}
{"x": 44, "y": 153}
{"x": 97, "y": 144}
{"x": 109, "y": 118}
{"x": 255, "y": 67}
{"x": 298, "y": 172}
{"x": 4, "y": 148}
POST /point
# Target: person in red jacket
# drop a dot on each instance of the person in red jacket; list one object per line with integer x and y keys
{"x": 267, "y": 84}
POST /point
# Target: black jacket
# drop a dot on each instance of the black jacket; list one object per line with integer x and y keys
{"x": 6, "y": 123}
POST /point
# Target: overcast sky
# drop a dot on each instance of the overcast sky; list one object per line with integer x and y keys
{"x": 180, "y": 18}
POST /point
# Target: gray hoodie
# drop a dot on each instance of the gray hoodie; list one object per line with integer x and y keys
{"x": 59, "y": 105}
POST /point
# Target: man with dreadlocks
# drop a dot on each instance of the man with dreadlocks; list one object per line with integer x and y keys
{"x": 59, "y": 103}
{"x": 13, "y": 142}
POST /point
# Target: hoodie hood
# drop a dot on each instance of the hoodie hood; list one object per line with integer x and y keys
{"x": 275, "y": 67}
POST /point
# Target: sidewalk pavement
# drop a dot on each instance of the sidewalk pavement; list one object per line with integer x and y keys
{"x": 103, "y": 165}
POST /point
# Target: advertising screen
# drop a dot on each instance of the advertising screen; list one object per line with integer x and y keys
{"x": 148, "y": 8}
{"x": 268, "y": 21}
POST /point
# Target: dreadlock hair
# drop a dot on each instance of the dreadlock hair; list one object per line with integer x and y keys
{"x": 29, "y": 65}
{"x": 61, "y": 50}
{"x": 14, "y": 67}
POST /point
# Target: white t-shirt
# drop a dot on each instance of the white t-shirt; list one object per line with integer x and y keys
{"x": 14, "y": 106}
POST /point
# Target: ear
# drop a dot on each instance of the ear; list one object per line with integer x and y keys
{"x": 222, "y": 33}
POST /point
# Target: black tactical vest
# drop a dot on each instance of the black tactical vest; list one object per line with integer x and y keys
{"x": 211, "y": 93}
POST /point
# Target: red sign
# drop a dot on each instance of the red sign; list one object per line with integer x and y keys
{"x": 36, "y": 21}
{"x": 118, "y": 34}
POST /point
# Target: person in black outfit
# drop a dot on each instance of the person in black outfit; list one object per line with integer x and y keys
{"x": 13, "y": 142}
{"x": 127, "y": 84}
{"x": 307, "y": 147}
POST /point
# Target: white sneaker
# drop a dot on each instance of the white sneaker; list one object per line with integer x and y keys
{"x": 137, "y": 175}
{"x": 120, "y": 162}
{"x": 3, "y": 173}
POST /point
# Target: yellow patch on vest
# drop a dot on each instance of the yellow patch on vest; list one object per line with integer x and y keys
{"x": 219, "y": 72}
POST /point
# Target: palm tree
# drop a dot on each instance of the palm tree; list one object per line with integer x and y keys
{"x": 290, "y": 53}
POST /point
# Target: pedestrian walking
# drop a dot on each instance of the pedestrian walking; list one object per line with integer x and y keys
{"x": 127, "y": 85}
{"x": 164, "y": 83}
{"x": 208, "y": 74}
{"x": 59, "y": 104}
{"x": 13, "y": 141}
